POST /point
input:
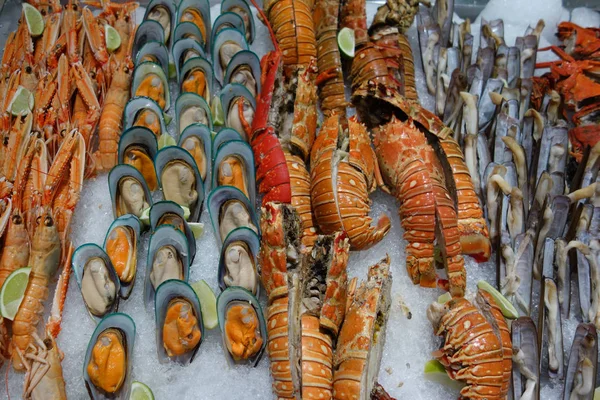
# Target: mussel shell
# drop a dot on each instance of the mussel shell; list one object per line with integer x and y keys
{"x": 156, "y": 49}
{"x": 130, "y": 221}
{"x": 121, "y": 171}
{"x": 186, "y": 100}
{"x": 201, "y": 5}
{"x": 251, "y": 239}
{"x": 138, "y": 136}
{"x": 167, "y": 291}
{"x": 170, "y": 5}
{"x": 226, "y": 6}
{"x": 80, "y": 257}
{"x": 238, "y": 294}
{"x": 585, "y": 344}
{"x": 180, "y": 47}
{"x": 125, "y": 325}
{"x": 231, "y": 92}
{"x": 148, "y": 31}
{"x": 189, "y": 30}
{"x": 170, "y": 154}
{"x": 218, "y": 197}
{"x": 146, "y": 68}
{"x": 202, "y": 132}
{"x": 159, "y": 209}
{"x": 227, "y": 20}
{"x": 225, "y": 35}
{"x": 223, "y": 136}
{"x": 243, "y": 152}
{"x": 136, "y": 105}
{"x": 244, "y": 57}
{"x": 198, "y": 63}
{"x": 165, "y": 235}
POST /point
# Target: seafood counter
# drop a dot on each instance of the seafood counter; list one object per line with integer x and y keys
{"x": 326, "y": 199}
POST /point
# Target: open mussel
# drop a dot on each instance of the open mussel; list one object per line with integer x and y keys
{"x": 244, "y": 68}
{"x": 148, "y": 31}
{"x": 229, "y": 209}
{"x": 223, "y": 136}
{"x": 234, "y": 166}
{"x": 153, "y": 51}
{"x": 121, "y": 246}
{"x": 180, "y": 180}
{"x": 196, "y": 76}
{"x": 196, "y": 140}
{"x": 163, "y": 12}
{"x": 179, "y": 328}
{"x": 171, "y": 213}
{"x": 138, "y": 147}
{"x": 168, "y": 258}
{"x": 192, "y": 109}
{"x": 225, "y": 45}
{"x": 188, "y": 30}
{"x": 196, "y": 12}
{"x": 242, "y": 326}
{"x": 185, "y": 49}
{"x": 150, "y": 80}
{"x": 129, "y": 191}
{"x": 143, "y": 111}
{"x": 107, "y": 364}
{"x": 97, "y": 280}
{"x": 241, "y": 8}
{"x": 238, "y": 263}
{"x": 227, "y": 20}
{"x": 581, "y": 372}
{"x": 239, "y": 106}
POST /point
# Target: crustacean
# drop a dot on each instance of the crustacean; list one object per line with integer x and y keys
{"x": 483, "y": 358}
{"x": 307, "y": 303}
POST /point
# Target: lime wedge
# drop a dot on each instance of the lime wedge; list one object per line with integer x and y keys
{"x": 346, "y": 42}
{"x": 443, "y": 299}
{"x": 22, "y": 102}
{"x": 208, "y": 303}
{"x": 197, "y": 229}
{"x": 597, "y": 394}
{"x": 172, "y": 71}
{"x": 139, "y": 391}
{"x": 167, "y": 118}
{"x": 217, "y": 112}
{"x": 508, "y": 310}
{"x": 186, "y": 212}
{"x": 12, "y": 292}
{"x": 34, "y": 19}
{"x": 434, "y": 371}
{"x": 145, "y": 217}
{"x": 113, "y": 39}
{"x": 166, "y": 140}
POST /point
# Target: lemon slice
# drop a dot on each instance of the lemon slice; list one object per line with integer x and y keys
{"x": 208, "y": 304}
{"x": 508, "y": 310}
{"x": 112, "y": 37}
{"x": 139, "y": 391}
{"x": 197, "y": 229}
{"x": 22, "y": 102}
{"x": 346, "y": 42}
{"x": 217, "y": 112}
{"x": 34, "y": 20}
{"x": 443, "y": 299}
{"x": 434, "y": 371}
{"x": 12, "y": 292}
{"x": 145, "y": 217}
{"x": 166, "y": 140}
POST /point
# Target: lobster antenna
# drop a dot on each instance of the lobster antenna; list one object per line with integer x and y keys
{"x": 265, "y": 20}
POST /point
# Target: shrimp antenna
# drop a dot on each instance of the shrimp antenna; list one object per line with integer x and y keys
{"x": 265, "y": 20}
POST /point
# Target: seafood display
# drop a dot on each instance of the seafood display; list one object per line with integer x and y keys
{"x": 221, "y": 174}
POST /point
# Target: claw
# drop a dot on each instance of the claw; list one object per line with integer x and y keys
{"x": 85, "y": 86}
{"x": 95, "y": 36}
